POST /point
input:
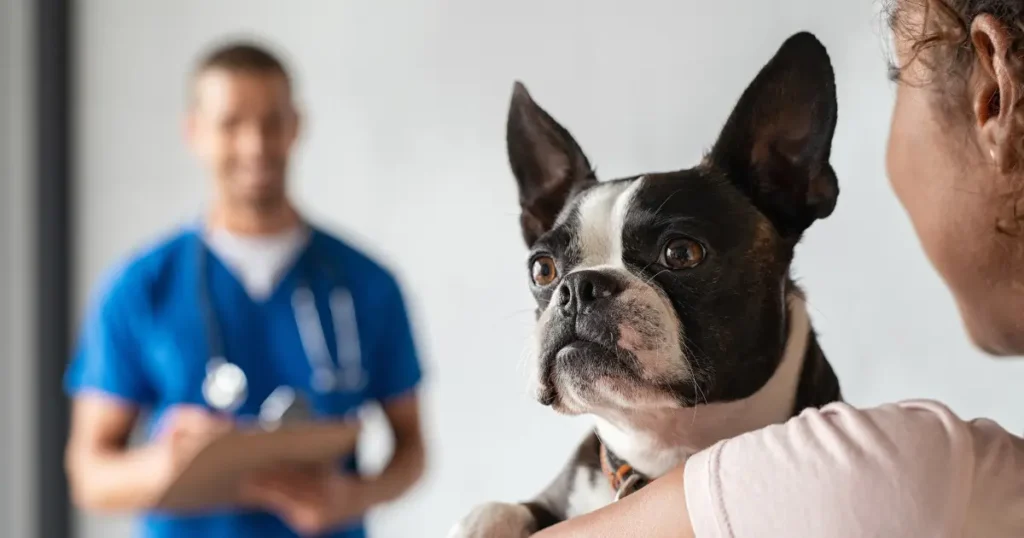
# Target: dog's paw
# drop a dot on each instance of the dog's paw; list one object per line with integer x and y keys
{"x": 496, "y": 520}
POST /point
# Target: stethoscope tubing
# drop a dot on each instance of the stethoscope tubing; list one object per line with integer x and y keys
{"x": 349, "y": 374}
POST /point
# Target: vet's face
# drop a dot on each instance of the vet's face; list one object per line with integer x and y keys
{"x": 664, "y": 289}
{"x": 243, "y": 126}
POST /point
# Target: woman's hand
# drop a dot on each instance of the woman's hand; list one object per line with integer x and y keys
{"x": 657, "y": 511}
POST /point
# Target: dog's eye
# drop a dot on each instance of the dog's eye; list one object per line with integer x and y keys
{"x": 544, "y": 271}
{"x": 682, "y": 254}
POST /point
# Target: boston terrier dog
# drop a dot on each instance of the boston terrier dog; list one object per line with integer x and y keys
{"x": 665, "y": 308}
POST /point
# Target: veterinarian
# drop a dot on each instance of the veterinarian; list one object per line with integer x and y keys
{"x": 913, "y": 469}
{"x": 214, "y": 320}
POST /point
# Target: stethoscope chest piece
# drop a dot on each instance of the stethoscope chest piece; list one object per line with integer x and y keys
{"x": 225, "y": 387}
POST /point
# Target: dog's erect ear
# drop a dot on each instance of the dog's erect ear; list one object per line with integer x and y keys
{"x": 776, "y": 144}
{"x": 548, "y": 163}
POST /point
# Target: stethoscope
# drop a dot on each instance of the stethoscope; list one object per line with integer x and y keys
{"x": 226, "y": 387}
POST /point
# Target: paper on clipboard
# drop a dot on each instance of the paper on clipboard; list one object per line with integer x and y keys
{"x": 212, "y": 478}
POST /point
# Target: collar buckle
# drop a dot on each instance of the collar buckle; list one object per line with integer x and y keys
{"x": 623, "y": 479}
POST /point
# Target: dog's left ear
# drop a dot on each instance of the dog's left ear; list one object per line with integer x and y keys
{"x": 548, "y": 164}
{"x": 775, "y": 146}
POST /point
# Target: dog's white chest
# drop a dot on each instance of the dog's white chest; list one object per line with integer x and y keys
{"x": 590, "y": 491}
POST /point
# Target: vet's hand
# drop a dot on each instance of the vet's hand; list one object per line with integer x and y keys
{"x": 310, "y": 501}
{"x": 183, "y": 431}
{"x": 496, "y": 520}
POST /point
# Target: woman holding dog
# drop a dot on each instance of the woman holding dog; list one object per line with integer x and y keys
{"x": 956, "y": 162}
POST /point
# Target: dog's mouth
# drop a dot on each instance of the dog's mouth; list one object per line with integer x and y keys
{"x": 576, "y": 361}
{"x": 574, "y": 349}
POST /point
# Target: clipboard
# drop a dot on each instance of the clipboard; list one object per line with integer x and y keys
{"x": 212, "y": 478}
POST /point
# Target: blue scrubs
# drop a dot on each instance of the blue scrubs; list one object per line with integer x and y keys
{"x": 144, "y": 342}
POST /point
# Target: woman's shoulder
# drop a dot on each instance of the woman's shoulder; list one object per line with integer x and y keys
{"x": 861, "y": 467}
{"x": 913, "y": 435}
{"x": 905, "y": 419}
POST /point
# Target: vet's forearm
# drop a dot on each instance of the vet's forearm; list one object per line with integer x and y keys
{"x": 404, "y": 470}
{"x": 112, "y": 479}
{"x": 656, "y": 511}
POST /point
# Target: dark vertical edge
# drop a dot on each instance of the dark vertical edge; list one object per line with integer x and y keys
{"x": 54, "y": 263}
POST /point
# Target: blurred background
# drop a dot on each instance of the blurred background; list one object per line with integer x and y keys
{"x": 403, "y": 153}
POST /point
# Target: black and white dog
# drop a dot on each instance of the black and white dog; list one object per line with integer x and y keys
{"x": 665, "y": 305}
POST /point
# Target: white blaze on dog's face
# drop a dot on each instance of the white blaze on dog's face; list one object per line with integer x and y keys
{"x": 657, "y": 290}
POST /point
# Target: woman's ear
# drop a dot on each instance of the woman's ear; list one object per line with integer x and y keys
{"x": 995, "y": 92}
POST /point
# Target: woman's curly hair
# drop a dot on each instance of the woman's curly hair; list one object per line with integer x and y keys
{"x": 941, "y": 38}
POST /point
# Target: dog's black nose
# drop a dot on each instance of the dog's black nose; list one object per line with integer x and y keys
{"x": 584, "y": 288}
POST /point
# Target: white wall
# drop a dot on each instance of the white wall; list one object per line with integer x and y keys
{"x": 17, "y": 492}
{"x": 405, "y": 105}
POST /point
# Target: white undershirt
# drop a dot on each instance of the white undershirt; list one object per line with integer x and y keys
{"x": 258, "y": 261}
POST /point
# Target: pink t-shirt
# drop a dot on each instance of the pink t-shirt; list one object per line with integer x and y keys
{"x": 912, "y": 469}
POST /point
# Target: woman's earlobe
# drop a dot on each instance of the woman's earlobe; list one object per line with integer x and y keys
{"x": 1000, "y": 143}
{"x": 996, "y": 132}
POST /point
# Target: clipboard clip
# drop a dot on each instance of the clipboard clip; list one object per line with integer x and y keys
{"x": 283, "y": 406}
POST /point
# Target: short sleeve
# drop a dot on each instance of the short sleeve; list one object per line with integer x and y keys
{"x": 107, "y": 357}
{"x": 395, "y": 367}
{"x": 909, "y": 469}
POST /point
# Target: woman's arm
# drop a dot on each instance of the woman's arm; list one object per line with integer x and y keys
{"x": 913, "y": 469}
{"x": 657, "y": 511}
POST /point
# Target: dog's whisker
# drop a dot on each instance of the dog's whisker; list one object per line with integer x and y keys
{"x": 688, "y": 347}
{"x": 516, "y": 313}
{"x": 524, "y": 357}
{"x": 656, "y": 275}
{"x": 667, "y": 198}
{"x": 817, "y": 311}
